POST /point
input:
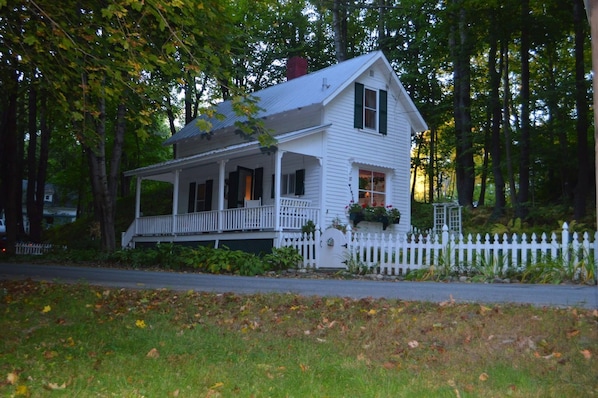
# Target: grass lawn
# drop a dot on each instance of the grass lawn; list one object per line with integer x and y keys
{"x": 87, "y": 341}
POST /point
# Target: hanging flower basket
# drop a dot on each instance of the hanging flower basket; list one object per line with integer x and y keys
{"x": 385, "y": 215}
{"x": 356, "y": 218}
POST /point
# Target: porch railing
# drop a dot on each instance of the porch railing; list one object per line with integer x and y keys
{"x": 294, "y": 214}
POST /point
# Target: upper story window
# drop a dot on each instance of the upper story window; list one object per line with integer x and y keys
{"x": 370, "y": 109}
{"x": 372, "y": 187}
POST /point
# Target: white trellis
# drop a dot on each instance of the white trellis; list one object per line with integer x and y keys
{"x": 448, "y": 214}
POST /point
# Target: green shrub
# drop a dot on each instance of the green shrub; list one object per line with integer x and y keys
{"x": 283, "y": 258}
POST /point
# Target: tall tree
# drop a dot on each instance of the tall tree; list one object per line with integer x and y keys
{"x": 525, "y": 136}
{"x": 460, "y": 45}
{"x": 581, "y": 106}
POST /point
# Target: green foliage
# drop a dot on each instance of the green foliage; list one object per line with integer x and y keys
{"x": 578, "y": 267}
{"x": 283, "y": 258}
{"x": 422, "y": 216}
{"x": 515, "y": 226}
{"x": 309, "y": 228}
{"x": 338, "y": 224}
{"x": 421, "y": 274}
{"x": 78, "y": 235}
{"x": 355, "y": 265}
{"x": 488, "y": 267}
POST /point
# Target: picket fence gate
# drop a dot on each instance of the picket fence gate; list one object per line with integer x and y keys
{"x": 396, "y": 254}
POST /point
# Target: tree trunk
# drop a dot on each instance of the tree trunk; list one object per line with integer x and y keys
{"x": 522, "y": 209}
{"x": 484, "y": 176}
{"x": 34, "y": 212}
{"x": 495, "y": 111}
{"x": 10, "y": 179}
{"x": 584, "y": 182}
{"x": 96, "y": 158}
{"x": 382, "y": 42}
{"x": 507, "y": 124}
{"x": 339, "y": 18}
{"x": 44, "y": 152}
{"x": 432, "y": 165}
{"x": 460, "y": 52}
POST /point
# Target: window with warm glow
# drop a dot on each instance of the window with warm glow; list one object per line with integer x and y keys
{"x": 372, "y": 187}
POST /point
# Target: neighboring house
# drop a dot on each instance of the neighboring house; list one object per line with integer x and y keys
{"x": 343, "y": 135}
{"x": 57, "y": 210}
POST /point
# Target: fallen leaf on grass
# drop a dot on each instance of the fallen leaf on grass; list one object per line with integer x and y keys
{"x": 413, "y": 344}
{"x": 46, "y": 309}
{"x": 451, "y": 301}
{"x": 217, "y": 385}
{"x": 586, "y": 354}
{"x": 553, "y": 355}
{"x": 22, "y": 390}
{"x": 483, "y": 377}
{"x": 572, "y": 333}
{"x": 153, "y": 353}
{"x": 12, "y": 378}
{"x": 140, "y": 323}
{"x": 55, "y": 386}
{"x": 304, "y": 368}
{"x": 50, "y": 354}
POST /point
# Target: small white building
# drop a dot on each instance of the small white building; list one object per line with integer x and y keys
{"x": 343, "y": 136}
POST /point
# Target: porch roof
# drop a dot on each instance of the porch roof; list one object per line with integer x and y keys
{"x": 164, "y": 171}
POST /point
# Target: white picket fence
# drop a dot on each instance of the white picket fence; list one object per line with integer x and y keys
{"x": 394, "y": 254}
{"x": 34, "y": 249}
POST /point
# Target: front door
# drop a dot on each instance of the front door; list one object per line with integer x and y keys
{"x": 244, "y": 184}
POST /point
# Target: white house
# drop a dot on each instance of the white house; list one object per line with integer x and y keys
{"x": 343, "y": 135}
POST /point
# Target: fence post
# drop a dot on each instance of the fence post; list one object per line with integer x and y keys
{"x": 565, "y": 244}
{"x": 445, "y": 234}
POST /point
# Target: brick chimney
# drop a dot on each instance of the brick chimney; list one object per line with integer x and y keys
{"x": 296, "y": 67}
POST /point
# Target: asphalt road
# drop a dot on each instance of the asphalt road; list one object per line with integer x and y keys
{"x": 539, "y": 295}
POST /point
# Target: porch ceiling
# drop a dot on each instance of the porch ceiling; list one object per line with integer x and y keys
{"x": 165, "y": 171}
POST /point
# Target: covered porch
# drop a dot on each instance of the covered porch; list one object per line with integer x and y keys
{"x": 226, "y": 193}
{"x": 292, "y": 213}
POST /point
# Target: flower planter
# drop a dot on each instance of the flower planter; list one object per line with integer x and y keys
{"x": 356, "y": 218}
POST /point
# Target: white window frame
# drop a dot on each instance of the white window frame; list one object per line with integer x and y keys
{"x": 287, "y": 184}
{"x": 373, "y": 111}
{"x": 368, "y": 194}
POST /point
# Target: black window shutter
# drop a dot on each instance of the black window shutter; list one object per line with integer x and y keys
{"x": 233, "y": 189}
{"x": 383, "y": 123}
{"x": 358, "y": 115}
{"x": 272, "y": 189}
{"x": 258, "y": 183}
{"x": 300, "y": 182}
{"x": 191, "y": 202}
{"x": 209, "y": 189}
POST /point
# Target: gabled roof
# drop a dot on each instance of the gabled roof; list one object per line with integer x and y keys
{"x": 316, "y": 88}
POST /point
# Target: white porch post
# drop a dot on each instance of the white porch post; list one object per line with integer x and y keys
{"x": 137, "y": 203}
{"x": 221, "y": 183}
{"x": 175, "y": 200}
{"x": 277, "y": 176}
